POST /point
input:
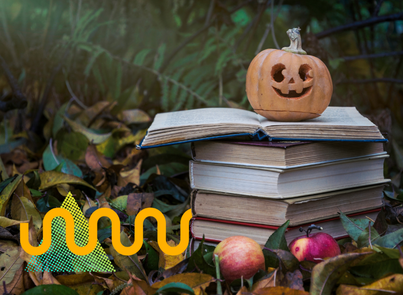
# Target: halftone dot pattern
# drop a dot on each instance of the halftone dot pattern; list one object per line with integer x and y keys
{"x": 59, "y": 258}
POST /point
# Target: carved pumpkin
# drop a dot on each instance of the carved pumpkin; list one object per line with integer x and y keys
{"x": 287, "y": 84}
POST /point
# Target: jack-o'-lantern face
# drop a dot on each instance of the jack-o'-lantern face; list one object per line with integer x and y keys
{"x": 289, "y": 84}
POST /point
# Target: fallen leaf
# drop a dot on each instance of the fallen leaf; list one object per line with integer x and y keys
{"x": 24, "y": 209}
{"x": 90, "y": 134}
{"x": 138, "y": 201}
{"x": 16, "y": 286}
{"x": 268, "y": 282}
{"x": 82, "y": 283}
{"x": 326, "y": 274}
{"x": 279, "y": 291}
{"x": 10, "y": 262}
{"x": 7, "y": 192}
{"x": 131, "y": 176}
{"x": 196, "y": 281}
{"x": 51, "y": 289}
{"x": 52, "y": 178}
{"x": 129, "y": 263}
{"x": 390, "y": 284}
{"x": 6, "y": 222}
{"x": 49, "y": 279}
{"x": 167, "y": 261}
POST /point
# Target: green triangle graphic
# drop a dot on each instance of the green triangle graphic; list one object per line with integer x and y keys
{"x": 59, "y": 258}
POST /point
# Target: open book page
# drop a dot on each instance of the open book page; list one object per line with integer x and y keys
{"x": 202, "y": 117}
{"x": 332, "y": 116}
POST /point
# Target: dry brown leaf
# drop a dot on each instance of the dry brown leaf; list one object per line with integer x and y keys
{"x": 137, "y": 286}
{"x": 166, "y": 261}
{"x": 94, "y": 159}
{"x": 279, "y": 291}
{"x": 16, "y": 286}
{"x": 10, "y": 263}
{"x": 24, "y": 209}
{"x": 392, "y": 283}
{"x": 268, "y": 282}
{"x": 49, "y": 279}
{"x": 138, "y": 201}
{"x": 196, "y": 281}
{"x": 132, "y": 175}
{"x": 6, "y": 222}
{"x": 82, "y": 283}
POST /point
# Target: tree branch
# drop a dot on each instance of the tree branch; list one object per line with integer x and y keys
{"x": 377, "y": 8}
{"x": 375, "y": 55}
{"x": 18, "y": 101}
{"x": 374, "y": 80}
{"x": 361, "y": 24}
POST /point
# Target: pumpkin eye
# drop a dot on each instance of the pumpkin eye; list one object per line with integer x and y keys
{"x": 303, "y": 72}
{"x": 276, "y": 72}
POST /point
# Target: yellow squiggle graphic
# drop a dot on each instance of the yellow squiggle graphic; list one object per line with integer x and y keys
{"x": 93, "y": 228}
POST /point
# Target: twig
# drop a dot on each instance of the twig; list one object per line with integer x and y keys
{"x": 266, "y": 32}
{"x": 210, "y": 12}
{"x": 83, "y": 106}
{"x": 375, "y": 55}
{"x": 360, "y": 24}
{"x": 374, "y": 80}
{"x": 255, "y": 23}
{"x": 377, "y": 8}
{"x": 19, "y": 100}
{"x": 273, "y": 34}
{"x": 369, "y": 234}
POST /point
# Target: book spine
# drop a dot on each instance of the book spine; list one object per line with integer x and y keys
{"x": 192, "y": 183}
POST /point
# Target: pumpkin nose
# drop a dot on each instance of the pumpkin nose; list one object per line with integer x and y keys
{"x": 291, "y": 81}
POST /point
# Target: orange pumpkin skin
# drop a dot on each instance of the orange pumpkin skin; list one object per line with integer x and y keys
{"x": 285, "y": 86}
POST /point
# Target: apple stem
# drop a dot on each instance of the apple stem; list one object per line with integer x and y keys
{"x": 310, "y": 228}
{"x": 217, "y": 269}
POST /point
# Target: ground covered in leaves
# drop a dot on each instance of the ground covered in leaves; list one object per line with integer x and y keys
{"x": 91, "y": 153}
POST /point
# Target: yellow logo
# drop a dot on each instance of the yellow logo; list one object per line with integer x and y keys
{"x": 93, "y": 228}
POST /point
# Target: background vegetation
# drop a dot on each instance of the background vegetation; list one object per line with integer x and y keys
{"x": 81, "y": 80}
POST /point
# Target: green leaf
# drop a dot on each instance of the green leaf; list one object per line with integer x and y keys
{"x": 160, "y": 56}
{"x": 72, "y": 145}
{"x": 130, "y": 263}
{"x": 151, "y": 259}
{"x": 140, "y": 57}
{"x": 52, "y": 178}
{"x": 198, "y": 262}
{"x": 276, "y": 241}
{"x": 391, "y": 240}
{"x": 58, "y": 120}
{"x": 354, "y": 227}
{"x": 51, "y": 162}
{"x": 363, "y": 239}
{"x": 175, "y": 288}
{"x": 326, "y": 274}
{"x": 8, "y": 147}
{"x": 50, "y": 289}
{"x": 170, "y": 210}
{"x": 90, "y": 134}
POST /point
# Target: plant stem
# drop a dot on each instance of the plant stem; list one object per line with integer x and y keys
{"x": 217, "y": 269}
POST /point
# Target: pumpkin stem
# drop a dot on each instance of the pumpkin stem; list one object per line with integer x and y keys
{"x": 295, "y": 39}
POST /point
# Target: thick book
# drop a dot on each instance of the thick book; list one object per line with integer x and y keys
{"x": 275, "y": 212}
{"x": 216, "y": 230}
{"x": 275, "y": 183}
{"x": 336, "y": 123}
{"x": 281, "y": 154}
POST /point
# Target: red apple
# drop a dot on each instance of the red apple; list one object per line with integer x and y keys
{"x": 314, "y": 247}
{"x": 238, "y": 257}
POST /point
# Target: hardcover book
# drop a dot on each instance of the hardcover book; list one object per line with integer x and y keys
{"x": 281, "y": 154}
{"x": 216, "y": 230}
{"x": 275, "y": 212}
{"x": 336, "y": 123}
{"x": 267, "y": 182}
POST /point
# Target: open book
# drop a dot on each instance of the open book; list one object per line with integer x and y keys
{"x": 336, "y": 123}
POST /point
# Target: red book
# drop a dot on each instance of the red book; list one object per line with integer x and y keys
{"x": 216, "y": 230}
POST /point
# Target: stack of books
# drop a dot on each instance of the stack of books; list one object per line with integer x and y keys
{"x": 305, "y": 172}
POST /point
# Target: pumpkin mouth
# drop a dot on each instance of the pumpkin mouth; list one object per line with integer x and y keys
{"x": 293, "y": 93}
